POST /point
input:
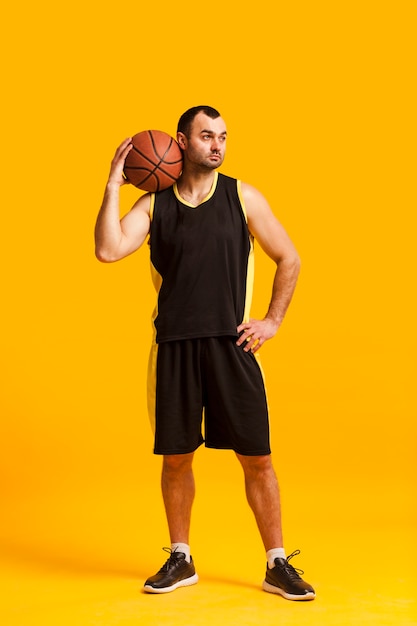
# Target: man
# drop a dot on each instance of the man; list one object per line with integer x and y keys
{"x": 204, "y": 358}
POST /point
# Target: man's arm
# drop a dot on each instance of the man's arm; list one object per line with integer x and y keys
{"x": 115, "y": 238}
{"x": 277, "y": 245}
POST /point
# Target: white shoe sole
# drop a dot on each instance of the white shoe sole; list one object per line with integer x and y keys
{"x": 310, "y": 595}
{"x": 192, "y": 580}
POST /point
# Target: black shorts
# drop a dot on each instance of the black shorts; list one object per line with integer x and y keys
{"x": 212, "y": 377}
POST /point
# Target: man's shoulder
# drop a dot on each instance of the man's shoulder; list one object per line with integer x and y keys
{"x": 228, "y": 183}
{"x": 164, "y": 193}
{"x": 227, "y": 179}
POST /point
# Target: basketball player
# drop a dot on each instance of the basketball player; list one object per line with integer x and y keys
{"x": 205, "y": 353}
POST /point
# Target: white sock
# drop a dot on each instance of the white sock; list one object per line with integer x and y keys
{"x": 275, "y": 553}
{"x": 182, "y": 547}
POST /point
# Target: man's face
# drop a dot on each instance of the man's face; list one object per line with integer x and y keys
{"x": 206, "y": 145}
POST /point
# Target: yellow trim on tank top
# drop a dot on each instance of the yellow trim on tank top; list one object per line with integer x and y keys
{"x": 251, "y": 260}
{"x": 242, "y": 202}
{"x": 250, "y": 278}
{"x": 208, "y": 196}
{"x": 152, "y": 206}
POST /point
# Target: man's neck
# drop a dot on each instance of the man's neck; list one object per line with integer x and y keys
{"x": 193, "y": 187}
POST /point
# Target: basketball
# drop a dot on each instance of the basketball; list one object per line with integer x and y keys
{"x": 155, "y": 161}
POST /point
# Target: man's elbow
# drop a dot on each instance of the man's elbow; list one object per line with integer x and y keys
{"x": 292, "y": 263}
{"x": 104, "y": 256}
{"x": 296, "y": 261}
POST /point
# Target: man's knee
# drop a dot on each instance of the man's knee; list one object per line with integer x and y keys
{"x": 256, "y": 464}
{"x": 177, "y": 462}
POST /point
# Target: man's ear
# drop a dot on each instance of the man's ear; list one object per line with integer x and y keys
{"x": 182, "y": 140}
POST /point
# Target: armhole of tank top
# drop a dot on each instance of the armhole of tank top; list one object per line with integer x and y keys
{"x": 242, "y": 202}
{"x": 152, "y": 206}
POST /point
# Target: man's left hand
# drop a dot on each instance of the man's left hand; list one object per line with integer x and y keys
{"x": 255, "y": 333}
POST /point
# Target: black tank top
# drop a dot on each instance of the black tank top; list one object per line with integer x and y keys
{"x": 200, "y": 261}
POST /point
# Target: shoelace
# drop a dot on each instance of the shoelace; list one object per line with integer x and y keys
{"x": 170, "y": 561}
{"x": 293, "y": 572}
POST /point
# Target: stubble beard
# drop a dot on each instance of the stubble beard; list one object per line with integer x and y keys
{"x": 207, "y": 164}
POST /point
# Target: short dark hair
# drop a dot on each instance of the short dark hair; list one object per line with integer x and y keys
{"x": 187, "y": 118}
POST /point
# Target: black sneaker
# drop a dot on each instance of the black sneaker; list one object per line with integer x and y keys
{"x": 285, "y": 580}
{"x": 176, "y": 572}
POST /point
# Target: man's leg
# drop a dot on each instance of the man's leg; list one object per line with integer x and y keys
{"x": 178, "y": 493}
{"x": 263, "y": 496}
{"x": 178, "y": 490}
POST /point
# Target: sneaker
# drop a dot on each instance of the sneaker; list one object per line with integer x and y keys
{"x": 285, "y": 580}
{"x": 176, "y": 572}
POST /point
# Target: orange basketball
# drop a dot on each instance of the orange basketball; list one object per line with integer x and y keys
{"x": 155, "y": 161}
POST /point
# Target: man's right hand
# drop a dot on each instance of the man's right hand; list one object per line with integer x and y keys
{"x": 118, "y": 163}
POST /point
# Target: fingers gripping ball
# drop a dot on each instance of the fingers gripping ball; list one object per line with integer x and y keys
{"x": 155, "y": 161}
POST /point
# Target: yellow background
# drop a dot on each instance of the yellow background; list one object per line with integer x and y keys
{"x": 319, "y": 102}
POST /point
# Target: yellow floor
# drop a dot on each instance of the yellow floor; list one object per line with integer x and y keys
{"x": 82, "y": 561}
{"x": 369, "y": 589}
